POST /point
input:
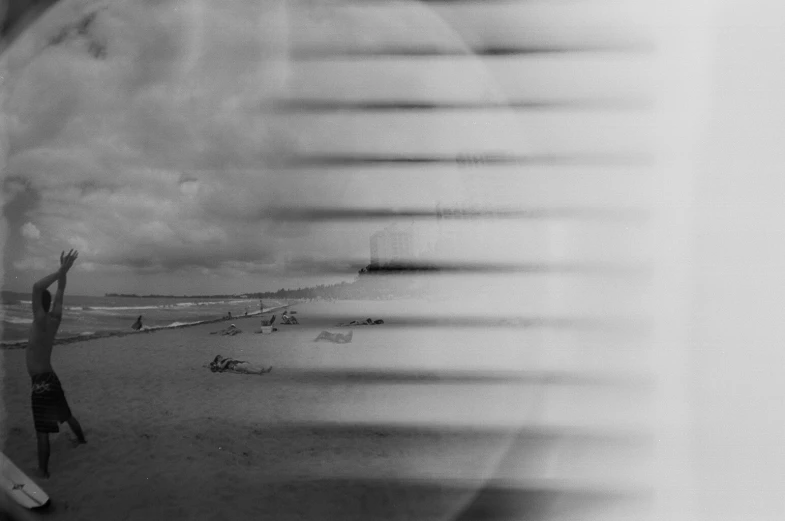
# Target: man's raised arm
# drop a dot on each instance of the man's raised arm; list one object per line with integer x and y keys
{"x": 66, "y": 261}
{"x": 57, "y": 305}
{"x": 38, "y": 291}
{"x": 65, "y": 265}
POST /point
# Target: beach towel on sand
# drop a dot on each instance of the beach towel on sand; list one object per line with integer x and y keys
{"x": 50, "y": 407}
{"x": 337, "y": 338}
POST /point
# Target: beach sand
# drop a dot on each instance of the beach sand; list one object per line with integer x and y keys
{"x": 323, "y": 436}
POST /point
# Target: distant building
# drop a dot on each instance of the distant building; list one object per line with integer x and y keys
{"x": 392, "y": 245}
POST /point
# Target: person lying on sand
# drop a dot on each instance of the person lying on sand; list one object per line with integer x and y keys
{"x": 221, "y": 364}
{"x": 338, "y": 338}
{"x": 366, "y": 322}
{"x": 231, "y": 331}
{"x": 268, "y": 322}
{"x": 138, "y": 324}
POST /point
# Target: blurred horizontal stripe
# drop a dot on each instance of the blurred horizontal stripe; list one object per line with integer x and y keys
{"x": 548, "y": 79}
{"x": 347, "y": 213}
{"x": 392, "y": 375}
{"x": 507, "y": 185}
{"x": 469, "y": 158}
{"x": 599, "y": 354}
{"x": 557, "y": 502}
{"x": 403, "y": 105}
{"x": 506, "y": 135}
{"x": 480, "y": 28}
{"x": 363, "y": 499}
{"x": 320, "y": 53}
{"x": 600, "y": 323}
{"x": 438, "y": 268}
{"x": 503, "y": 405}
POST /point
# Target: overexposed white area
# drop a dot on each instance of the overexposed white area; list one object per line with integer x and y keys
{"x": 162, "y": 162}
{"x": 736, "y": 385}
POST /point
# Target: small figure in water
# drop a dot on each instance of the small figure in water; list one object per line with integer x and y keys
{"x": 138, "y": 324}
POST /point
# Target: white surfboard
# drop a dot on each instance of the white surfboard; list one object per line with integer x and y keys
{"x": 19, "y": 486}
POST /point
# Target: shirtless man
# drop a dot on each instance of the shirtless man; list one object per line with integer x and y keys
{"x": 50, "y": 407}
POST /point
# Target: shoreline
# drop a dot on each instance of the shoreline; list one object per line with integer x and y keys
{"x": 21, "y": 344}
{"x": 254, "y": 444}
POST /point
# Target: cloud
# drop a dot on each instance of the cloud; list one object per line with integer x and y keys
{"x": 157, "y": 157}
{"x": 86, "y": 266}
{"x": 30, "y": 231}
{"x": 31, "y": 263}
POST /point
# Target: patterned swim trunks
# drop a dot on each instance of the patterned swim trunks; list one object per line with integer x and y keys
{"x": 50, "y": 407}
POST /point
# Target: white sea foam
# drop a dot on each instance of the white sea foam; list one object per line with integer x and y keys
{"x": 121, "y": 308}
{"x": 17, "y": 320}
{"x": 178, "y": 324}
{"x": 163, "y": 306}
{"x": 172, "y": 325}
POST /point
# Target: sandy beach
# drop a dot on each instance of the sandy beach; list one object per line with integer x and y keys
{"x": 405, "y": 422}
{"x": 169, "y": 439}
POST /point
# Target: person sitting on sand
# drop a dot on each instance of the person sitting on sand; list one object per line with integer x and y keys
{"x": 268, "y": 322}
{"x": 138, "y": 324}
{"x": 50, "y": 407}
{"x": 338, "y": 338}
{"x": 221, "y": 364}
{"x": 286, "y": 318}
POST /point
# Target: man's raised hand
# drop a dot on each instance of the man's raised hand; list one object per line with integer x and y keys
{"x": 67, "y": 260}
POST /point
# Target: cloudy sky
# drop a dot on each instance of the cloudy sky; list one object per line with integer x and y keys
{"x": 146, "y": 135}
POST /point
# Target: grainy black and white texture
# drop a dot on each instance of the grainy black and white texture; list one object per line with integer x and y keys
{"x": 565, "y": 193}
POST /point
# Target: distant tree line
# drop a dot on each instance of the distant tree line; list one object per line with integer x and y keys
{"x": 134, "y": 295}
{"x": 373, "y": 282}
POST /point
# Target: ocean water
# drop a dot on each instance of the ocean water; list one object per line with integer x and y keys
{"x": 86, "y": 315}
